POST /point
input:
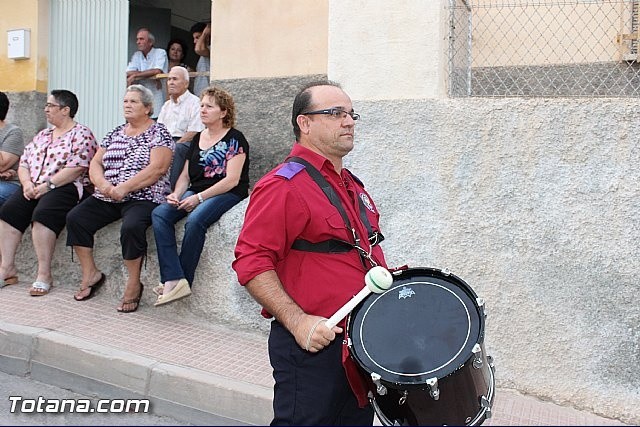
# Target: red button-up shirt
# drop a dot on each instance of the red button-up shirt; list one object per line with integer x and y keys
{"x": 287, "y": 205}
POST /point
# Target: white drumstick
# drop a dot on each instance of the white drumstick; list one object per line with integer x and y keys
{"x": 377, "y": 280}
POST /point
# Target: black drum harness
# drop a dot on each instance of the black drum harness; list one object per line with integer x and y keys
{"x": 336, "y": 246}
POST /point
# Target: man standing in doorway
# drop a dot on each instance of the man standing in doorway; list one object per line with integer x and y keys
{"x": 201, "y": 32}
{"x": 145, "y": 64}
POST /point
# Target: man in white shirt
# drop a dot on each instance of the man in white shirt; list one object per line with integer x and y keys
{"x": 181, "y": 115}
{"x": 146, "y": 63}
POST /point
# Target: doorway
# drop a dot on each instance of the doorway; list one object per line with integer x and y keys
{"x": 168, "y": 19}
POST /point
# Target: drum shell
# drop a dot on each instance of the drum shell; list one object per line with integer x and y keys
{"x": 460, "y": 401}
{"x": 465, "y": 382}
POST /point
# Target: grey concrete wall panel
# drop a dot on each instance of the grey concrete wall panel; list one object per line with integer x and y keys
{"x": 599, "y": 79}
{"x": 264, "y": 116}
{"x": 26, "y": 110}
{"x": 535, "y": 204}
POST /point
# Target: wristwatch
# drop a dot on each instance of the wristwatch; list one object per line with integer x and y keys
{"x": 51, "y": 185}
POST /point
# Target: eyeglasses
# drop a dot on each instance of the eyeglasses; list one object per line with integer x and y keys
{"x": 336, "y": 113}
{"x": 50, "y": 105}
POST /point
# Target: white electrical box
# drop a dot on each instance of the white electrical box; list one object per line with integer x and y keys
{"x": 18, "y": 43}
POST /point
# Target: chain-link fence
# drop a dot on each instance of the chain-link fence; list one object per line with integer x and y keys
{"x": 544, "y": 48}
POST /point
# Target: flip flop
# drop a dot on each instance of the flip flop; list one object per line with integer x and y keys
{"x": 135, "y": 301}
{"x": 39, "y": 288}
{"x": 11, "y": 280}
{"x": 92, "y": 289}
{"x": 181, "y": 290}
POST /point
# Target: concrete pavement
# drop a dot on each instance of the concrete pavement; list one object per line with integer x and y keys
{"x": 202, "y": 373}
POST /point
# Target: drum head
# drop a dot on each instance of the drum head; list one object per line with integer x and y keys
{"x": 424, "y": 326}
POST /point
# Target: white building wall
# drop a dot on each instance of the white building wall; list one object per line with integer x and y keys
{"x": 388, "y": 49}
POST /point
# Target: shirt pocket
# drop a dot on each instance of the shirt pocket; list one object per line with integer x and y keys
{"x": 336, "y": 226}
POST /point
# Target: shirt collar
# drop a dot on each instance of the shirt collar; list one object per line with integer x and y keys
{"x": 317, "y": 161}
{"x": 181, "y": 97}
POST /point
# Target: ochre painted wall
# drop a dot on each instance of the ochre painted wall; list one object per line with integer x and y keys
{"x": 275, "y": 38}
{"x": 25, "y": 74}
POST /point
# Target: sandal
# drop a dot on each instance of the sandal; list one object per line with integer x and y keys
{"x": 92, "y": 289}
{"x": 158, "y": 289}
{"x": 134, "y": 301}
{"x": 181, "y": 290}
{"x": 39, "y": 288}
{"x": 11, "y": 280}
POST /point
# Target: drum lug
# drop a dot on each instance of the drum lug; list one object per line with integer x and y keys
{"x": 484, "y": 403}
{"x": 477, "y": 356}
{"x": 446, "y": 272}
{"x": 433, "y": 388}
{"x": 481, "y": 305}
{"x": 380, "y": 388}
{"x": 491, "y": 363}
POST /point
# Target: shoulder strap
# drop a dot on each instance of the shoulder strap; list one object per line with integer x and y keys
{"x": 333, "y": 245}
{"x": 324, "y": 186}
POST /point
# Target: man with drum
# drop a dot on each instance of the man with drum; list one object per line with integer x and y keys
{"x": 303, "y": 252}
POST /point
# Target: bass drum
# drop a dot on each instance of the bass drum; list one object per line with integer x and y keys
{"x": 421, "y": 343}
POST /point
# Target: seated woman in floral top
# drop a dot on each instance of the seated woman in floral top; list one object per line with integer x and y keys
{"x": 53, "y": 173}
{"x": 130, "y": 174}
{"x": 215, "y": 178}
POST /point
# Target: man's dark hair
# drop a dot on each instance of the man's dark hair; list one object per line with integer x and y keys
{"x": 4, "y": 105}
{"x": 66, "y": 98}
{"x": 198, "y": 27}
{"x": 302, "y": 102}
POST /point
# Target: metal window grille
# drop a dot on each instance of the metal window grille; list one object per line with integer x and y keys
{"x": 544, "y": 48}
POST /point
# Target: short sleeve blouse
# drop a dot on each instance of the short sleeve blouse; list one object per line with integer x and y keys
{"x": 45, "y": 156}
{"x": 125, "y": 156}
{"x": 207, "y": 167}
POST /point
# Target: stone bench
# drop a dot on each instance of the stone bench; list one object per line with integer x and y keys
{"x": 216, "y": 297}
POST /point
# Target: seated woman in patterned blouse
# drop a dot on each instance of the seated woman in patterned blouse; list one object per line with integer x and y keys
{"x": 130, "y": 174}
{"x": 215, "y": 178}
{"x": 53, "y": 173}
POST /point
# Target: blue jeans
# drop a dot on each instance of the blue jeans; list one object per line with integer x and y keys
{"x": 7, "y": 188}
{"x": 164, "y": 219}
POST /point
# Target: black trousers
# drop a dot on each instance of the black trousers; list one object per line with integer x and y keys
{"x": 92, "y": 214}
{"x": 311, "y": 388}
{"x": 49, "y": 210}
